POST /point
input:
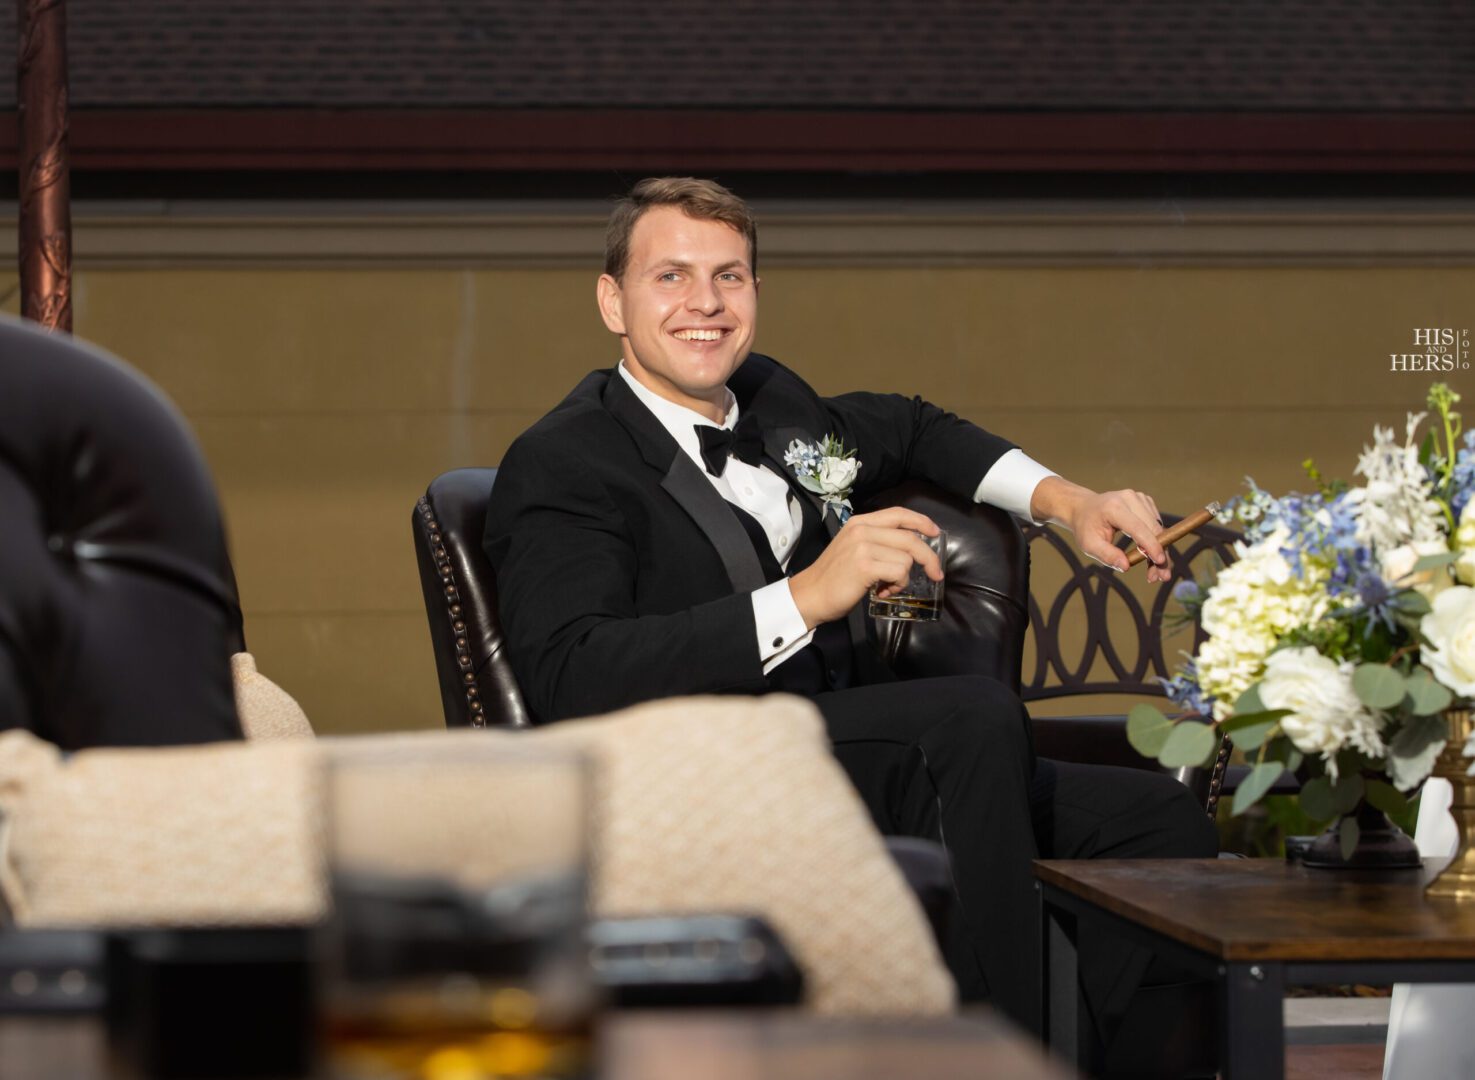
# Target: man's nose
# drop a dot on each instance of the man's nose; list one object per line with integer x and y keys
{"x": 704, "y": 297}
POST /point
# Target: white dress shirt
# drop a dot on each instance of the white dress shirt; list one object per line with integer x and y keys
{"x": 1009, "y": 485}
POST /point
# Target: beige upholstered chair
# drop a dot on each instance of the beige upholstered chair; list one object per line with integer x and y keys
{"x": 230, "y": 834}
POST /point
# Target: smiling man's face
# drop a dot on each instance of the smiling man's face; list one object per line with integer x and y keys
{"x": 687, "y": 308}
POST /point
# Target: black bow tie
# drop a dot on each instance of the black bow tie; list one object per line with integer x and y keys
{"x": 744, "y": 442}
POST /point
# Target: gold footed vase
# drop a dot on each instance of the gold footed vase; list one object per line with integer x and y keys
{"x": 1457, "y": 880}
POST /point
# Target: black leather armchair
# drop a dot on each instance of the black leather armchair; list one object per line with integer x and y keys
{"x": 988, "y": 612}
{"x": 118, "y": 612}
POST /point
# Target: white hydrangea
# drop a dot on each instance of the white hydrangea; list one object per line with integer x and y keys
{"x": 1464, "y": 545}
{"x": 1326, "y": 714}
{"x": 1396, "y": 506}
{"x": 1256, "y": 601}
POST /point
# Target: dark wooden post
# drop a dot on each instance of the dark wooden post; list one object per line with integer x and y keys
{"x": 45, "y": 169}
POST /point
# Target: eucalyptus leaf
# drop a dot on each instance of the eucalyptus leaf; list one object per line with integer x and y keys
{"x": 1386, "y": 797}
{"x": 1189, "y": 743}
{"x": 1378, "y": 686}
{"x": 1348, "y": 834}
{"x": 1316, "y": 799}
{"x": 1249, "y": 702}
{"x": 1147, "y": 730}
{"x": 1412, "y": 752}
{"x": 1427, "y": 696}
{"x": 1347, "y": 793}
{"x": 1252, "y": 787}
{"x": 1413, "y": 603}
{"x": 1244, "y": 720}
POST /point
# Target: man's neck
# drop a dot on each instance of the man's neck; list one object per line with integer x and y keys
{"x": 714, "y": 410}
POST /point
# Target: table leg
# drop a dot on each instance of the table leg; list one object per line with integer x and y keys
{"x": 1060, "y": 986}
{"x": 1252, "y": 1022}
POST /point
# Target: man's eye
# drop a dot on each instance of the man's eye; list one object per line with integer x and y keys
{"x": 731, "y": 277}
{"x": 669, "y": 275}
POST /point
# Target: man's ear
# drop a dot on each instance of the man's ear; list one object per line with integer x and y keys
{"x": 611, "y": 308}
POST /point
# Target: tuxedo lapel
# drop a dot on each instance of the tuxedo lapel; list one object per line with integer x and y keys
{"x": 684, "y": 482}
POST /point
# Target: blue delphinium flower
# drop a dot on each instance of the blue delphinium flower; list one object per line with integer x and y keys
{"x": 1183, "y": 690}
{"x": 1319, "y": 525}
{"x": 1462, "y": 484}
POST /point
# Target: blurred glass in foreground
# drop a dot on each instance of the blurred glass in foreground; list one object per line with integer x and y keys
{"x": 456, "y": 946}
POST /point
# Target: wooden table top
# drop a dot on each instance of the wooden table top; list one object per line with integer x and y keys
{"x": 1267, "y": 909}
{"x": 788, "y": 1045}
{"x": 728, "y": 1044}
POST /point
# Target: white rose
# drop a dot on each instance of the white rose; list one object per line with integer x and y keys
{"x": 1326, "y": 714}
{"x": 1398, "y": 567}
{"x": 1464, "y": 543}
{"x": 1450, "y": 629}
{"x": 837, "y": 474}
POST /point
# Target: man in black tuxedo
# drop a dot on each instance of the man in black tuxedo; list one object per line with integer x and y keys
{"x": 649, "y": 542}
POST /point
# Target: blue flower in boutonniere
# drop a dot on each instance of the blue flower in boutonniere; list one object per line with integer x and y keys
{"x": 827, "y": 469}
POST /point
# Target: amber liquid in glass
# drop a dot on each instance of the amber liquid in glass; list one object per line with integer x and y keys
{"x": 434, "y": 982}
{"x": 903, "y": 607}
{"x": 412, "y": 1035}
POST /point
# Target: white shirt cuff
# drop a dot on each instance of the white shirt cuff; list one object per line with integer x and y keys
{"x": 781, "y": 629}
{"x": 1010, "y": 484}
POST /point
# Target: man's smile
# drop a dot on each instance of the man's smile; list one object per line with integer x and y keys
{"x": 713, "y": 333}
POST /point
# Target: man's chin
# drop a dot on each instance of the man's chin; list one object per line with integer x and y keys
{"x": 711, "y": 371}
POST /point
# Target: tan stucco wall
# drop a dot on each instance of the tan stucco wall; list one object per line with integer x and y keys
{"x": 326, "y": 399}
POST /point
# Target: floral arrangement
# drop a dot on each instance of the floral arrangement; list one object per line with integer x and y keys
{"x": 1341, "y": 633}
{"x": 827, "y": 469}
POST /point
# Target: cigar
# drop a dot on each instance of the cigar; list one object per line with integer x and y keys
{"x": 1189, "y": 524}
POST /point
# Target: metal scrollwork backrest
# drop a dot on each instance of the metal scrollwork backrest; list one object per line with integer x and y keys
{"x": 1124, "y": 621}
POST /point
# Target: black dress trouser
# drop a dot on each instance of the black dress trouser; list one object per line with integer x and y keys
{"x": 951, "y": 759}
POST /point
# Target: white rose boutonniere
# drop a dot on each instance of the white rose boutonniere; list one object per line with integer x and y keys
{"x": 827, "y": 469}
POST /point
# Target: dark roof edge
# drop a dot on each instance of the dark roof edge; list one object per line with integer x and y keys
{"x": 799, "y": 141}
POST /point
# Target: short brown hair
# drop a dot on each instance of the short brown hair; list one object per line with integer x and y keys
{"x": 705, "y": 200}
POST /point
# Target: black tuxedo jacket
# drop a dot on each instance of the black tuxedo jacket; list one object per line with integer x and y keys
{"x": 623, "y": 576}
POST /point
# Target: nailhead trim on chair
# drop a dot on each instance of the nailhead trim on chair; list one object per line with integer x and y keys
{"x": 1216, "y": 779}
{"x": 453, "y": 611}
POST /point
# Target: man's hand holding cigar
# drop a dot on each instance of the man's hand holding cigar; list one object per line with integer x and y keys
{"x": 1193, "y": 521}
{"x": 1096, "y": 517}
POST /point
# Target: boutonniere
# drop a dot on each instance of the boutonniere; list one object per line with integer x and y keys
{"x": 827, "y": 469}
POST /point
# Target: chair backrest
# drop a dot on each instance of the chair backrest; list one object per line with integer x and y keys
{"x": 1121, "y": 633}
{"x": 985, "y": 607}
{"x": 118, "y": 611}
{"x": 477, "y": 687}
{"x": 1124, "y": 631}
